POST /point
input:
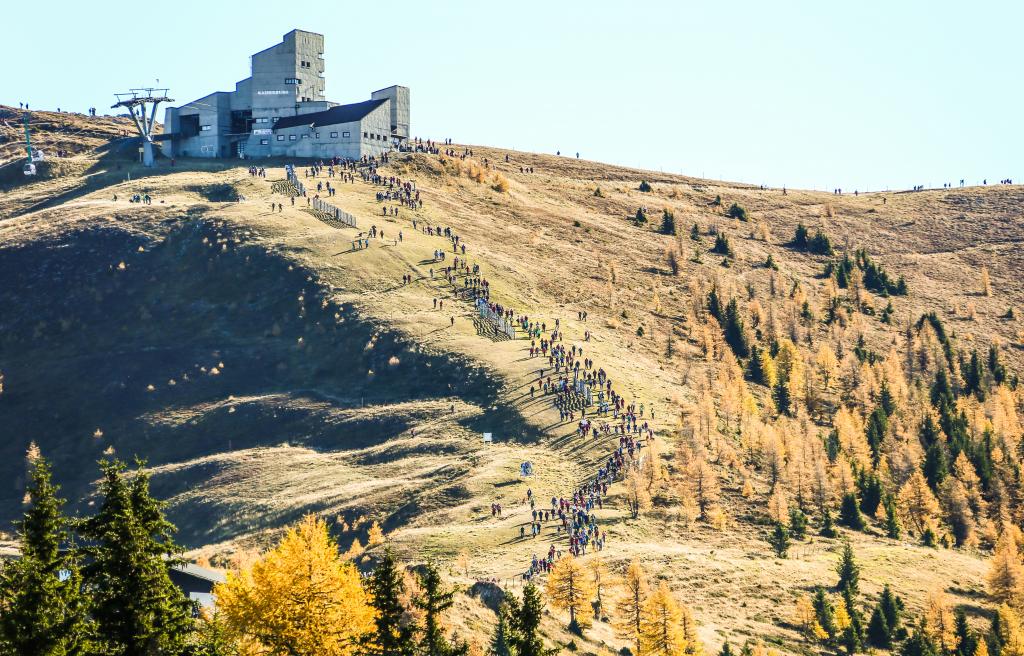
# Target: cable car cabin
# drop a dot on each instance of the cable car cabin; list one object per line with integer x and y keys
{"x": 29, "y": 169}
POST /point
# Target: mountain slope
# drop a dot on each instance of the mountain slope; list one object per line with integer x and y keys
{"x": 342, "y": 391}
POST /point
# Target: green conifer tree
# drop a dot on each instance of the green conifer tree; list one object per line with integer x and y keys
{"x": 824, "y": 612}
{"x": 852, "y": 636}
{"x": 849, "y": 512}
{"x": 967, "y": 641}
{"x": 893, "y": 529}
{"x": 434, "y": 601}
{"x": 892, "y": 608}
{"x": 779, "y": 539}
{"x": 920, "y": 644}
{"x": 879, "y": 634}
{"x": 797, "y": 524}
{"x": 504, "y": 639}
{"x": 42, "y": 609}
{"x": 527, "y": 616}
{"x": 828, "y": 529}
{"x": 137, "y": 609}
{"x": 848, "y": 570}
{"x": 392, "y": 636}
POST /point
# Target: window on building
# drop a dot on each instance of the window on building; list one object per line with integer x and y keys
{"x": 344, "y": 134}
{"x": 291, "y": 137}
{"x": 263, "y": 120}
{"x": 305, "y": 136}
{"x": 275, "y": 119}
{"x": 264, "y": 142}
{"x": 280, "y": 137}
{"x": 205, "y": 128}
{"x": 334, "y": 135}
{"x": 292, "y": 80}
{"x": 317, "y": 135}
{"x": 366, "y": 135}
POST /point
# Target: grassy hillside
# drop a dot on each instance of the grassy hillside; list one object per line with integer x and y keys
{"x": 266, "y": 368}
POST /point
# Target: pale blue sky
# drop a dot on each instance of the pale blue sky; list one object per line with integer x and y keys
{"x": 808, "y": 94}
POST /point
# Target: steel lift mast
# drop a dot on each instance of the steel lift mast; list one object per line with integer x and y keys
{"x": 136, "y": 101}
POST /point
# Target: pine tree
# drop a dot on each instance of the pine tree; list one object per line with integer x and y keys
{"x": 877, "y": 426}
{"x": 526, "y": 628}
{"x": 736, "y": 211}
{"x": 966, "y": 641}
{"x": 726, "y": 649}
{"x": 668, "y": 223}
{"x": 892, "y": 520}
{"x": 434, "y": 601}
{"x": 136, "y": 607}
{"x": 849, "y": 512}
{"x": 391, "y": 635}
{"x": 735, "y": 334}
{"x": 919, "y": 644}
{"x": 936, "y": 464}
{"x": 869, "y": 484}
{"x": 848, "y": 570}
{"x": 879, "y": 635}
{"x": 852, "y": 636}
{"x": 892, "y": 608}
{"x": 779, "y": 539}
{"x": 42, "y": 611}
{"x": 800, "y": 237}
{"x": 797, "y": 524}
{"x": 722, "y": 245}
{"x": 824, "y": 612}
{"x": 828, "y": 529}
{"x": 502, "y": 643}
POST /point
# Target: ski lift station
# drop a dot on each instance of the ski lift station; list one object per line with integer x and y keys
{"x": 281, "y": 110}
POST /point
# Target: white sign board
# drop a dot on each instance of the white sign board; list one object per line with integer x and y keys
{"x": 488, "y": 437}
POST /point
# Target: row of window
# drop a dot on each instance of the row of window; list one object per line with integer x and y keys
{"x": 306, "y": 64}
{"x": 292, "y": 80}
{"x": 292, "y": 137}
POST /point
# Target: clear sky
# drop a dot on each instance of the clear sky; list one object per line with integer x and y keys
{"x": 858, "y": 95}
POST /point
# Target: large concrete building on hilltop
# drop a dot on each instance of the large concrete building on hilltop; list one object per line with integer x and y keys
{"x": 280, "y": 110}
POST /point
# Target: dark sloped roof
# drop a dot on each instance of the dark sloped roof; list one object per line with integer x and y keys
{"x": 332, "y": 116}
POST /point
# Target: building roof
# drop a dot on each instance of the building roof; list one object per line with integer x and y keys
{"x": 332, "y": 116}
{"x": 198, "y": 572}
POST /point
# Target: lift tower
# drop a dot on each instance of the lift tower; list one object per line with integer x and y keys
{"x": 137, "y": 101}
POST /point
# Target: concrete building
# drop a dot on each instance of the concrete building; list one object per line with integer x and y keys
{"x": 281, "y": 110}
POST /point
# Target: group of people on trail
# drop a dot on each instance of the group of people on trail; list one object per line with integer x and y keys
{"x": 257, "y": 172}
{"x": 466, "y": 152}
{"x": 576, "y": 516}
{"x": 575, "y": 383}
{"x": 325, "y": 185}
{"x": 424, "y": 146}
{"x": 403, "y": 192}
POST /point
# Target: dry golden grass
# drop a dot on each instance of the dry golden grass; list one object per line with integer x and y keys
{"x": 544, "y": 266}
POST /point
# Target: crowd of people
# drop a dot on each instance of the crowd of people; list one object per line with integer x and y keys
{"x": 575, "y": 516}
